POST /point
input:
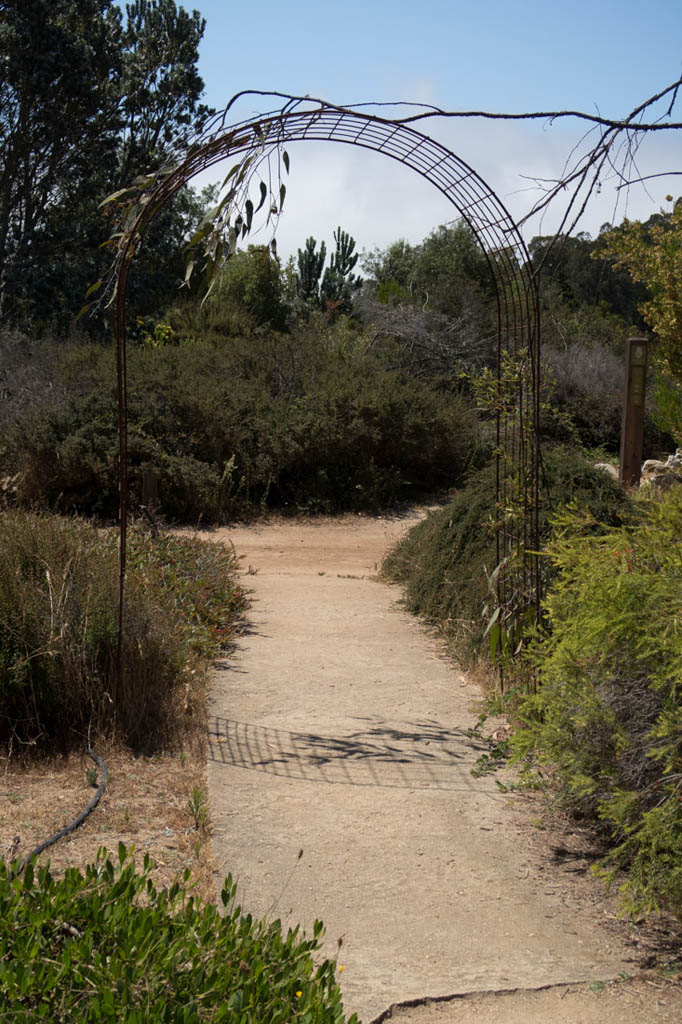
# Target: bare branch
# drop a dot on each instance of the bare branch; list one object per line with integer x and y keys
{"x": 648, "y": 177}
{"x": 427, "y": 110}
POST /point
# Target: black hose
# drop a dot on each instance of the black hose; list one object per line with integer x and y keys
{"x": 104, "y": 775}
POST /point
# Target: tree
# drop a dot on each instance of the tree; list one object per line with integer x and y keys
{"x": 580, "y": 273}
{"x": 252, "y": 283}
{"x": 651, "y": 252}
{"x": 428, "y": 306}
{"x": 56, "y": 88}
{"x": 452, "y": 273}
{"x": 339, "y": 282}
{"x": 86, "y": 101}
{"x": 160, "y": 90}
{"x": 332, "y": 292}
{"x": 392, "y": 271}
{"x": 447, "y": 273}
{"x": 307, "y": 279}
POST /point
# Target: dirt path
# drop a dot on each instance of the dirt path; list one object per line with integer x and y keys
{"x": 338, "y": 730}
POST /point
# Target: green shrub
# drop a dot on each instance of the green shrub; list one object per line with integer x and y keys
{"x": 607, "y": 716}
{"x": 308, "y": 420}
{"x": 442, "y": 562}
{"x": 106, "y": 945}
{"x": 59, "y": 626}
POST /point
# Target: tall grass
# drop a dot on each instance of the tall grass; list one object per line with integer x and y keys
{"x": 58, "y": 632}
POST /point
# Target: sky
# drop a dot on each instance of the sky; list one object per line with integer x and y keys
{"x": 599, "y": 56}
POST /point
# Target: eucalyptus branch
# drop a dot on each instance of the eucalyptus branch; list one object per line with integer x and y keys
{"x": 224, "y": 226}
{"x": 648, "y": 177}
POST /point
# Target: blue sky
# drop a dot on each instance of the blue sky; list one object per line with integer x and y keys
{"x": 600, "y": 56}
{"x": 528, "y": 54}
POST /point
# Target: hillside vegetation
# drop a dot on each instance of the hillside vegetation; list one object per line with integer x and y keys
{"x": 311, "y": 421}
{"x": 445, "y": 561}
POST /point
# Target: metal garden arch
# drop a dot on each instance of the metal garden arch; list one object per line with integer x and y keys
{"x": 515, "y": 401}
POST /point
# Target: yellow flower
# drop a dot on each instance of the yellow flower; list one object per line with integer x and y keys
{"x": 341, "y": 968}
{"x": 299, "y": 994}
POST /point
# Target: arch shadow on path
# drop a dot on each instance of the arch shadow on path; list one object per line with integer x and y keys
{"x": 419, "y": 755}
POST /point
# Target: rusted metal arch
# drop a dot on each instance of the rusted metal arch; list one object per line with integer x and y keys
{"x": 518, "y": 342}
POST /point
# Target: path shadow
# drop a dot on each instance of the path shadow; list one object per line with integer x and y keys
{"x": 419, "y": 755}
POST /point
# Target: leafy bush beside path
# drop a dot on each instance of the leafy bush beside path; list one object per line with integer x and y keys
{"x": 607, "y": 716}
{"x": 106, "y": 945}
{"x": 442, "y": 562}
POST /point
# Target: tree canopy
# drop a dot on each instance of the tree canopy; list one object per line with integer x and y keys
{"x": 651, "y": 253}
{"x": 89, "y": 97}
{"x": 331, "y": 291}
{"x": 447, "y": 273}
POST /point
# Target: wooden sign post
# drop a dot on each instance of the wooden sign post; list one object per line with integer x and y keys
{"x": 632, "y": 429}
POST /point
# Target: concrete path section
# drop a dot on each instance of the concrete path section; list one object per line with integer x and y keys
{"x": 341, "y": 788}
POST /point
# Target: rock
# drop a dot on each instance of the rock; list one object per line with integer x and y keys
{"x": 662, "y": 481}
{"x": 656, "y": 473}
{"x": 607, "y": 468}
{"x": 662, "y": 475}
{"x": 674, "y": 462}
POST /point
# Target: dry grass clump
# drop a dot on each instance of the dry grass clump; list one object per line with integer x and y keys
{"x": 147, "y": 804}
{"x": 58, "y": 631}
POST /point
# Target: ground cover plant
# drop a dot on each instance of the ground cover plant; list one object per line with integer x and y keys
{"x": 58, "y": 632}
{"x": 444, "y": 562}
{"x": 106, "y": 944}
{"x": 309, "y": 421}
{"x": 606, "y": 720}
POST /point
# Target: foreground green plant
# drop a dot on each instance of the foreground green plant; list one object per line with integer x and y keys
{"x": 106, "y": 945}
{"x": 607, "y": 717}
{"x": 58, "y": 632}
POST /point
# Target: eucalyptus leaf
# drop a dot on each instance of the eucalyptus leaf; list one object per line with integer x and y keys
{"x": 93, "y": 288}
{"x": 263, "y": 195}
